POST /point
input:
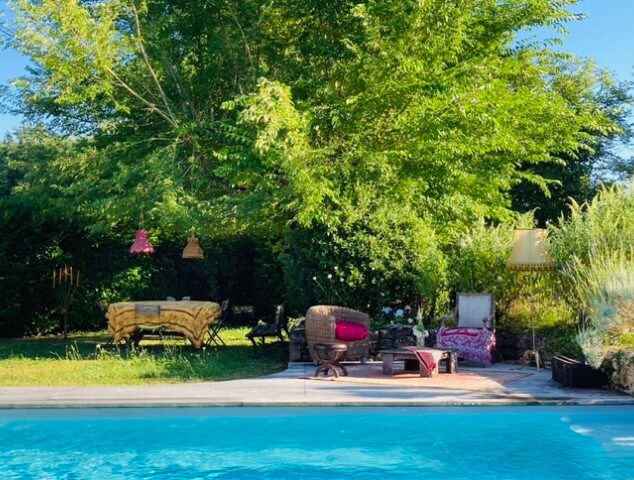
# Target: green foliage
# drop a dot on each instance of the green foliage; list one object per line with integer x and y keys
{"x": 561, "y": 341}
{"x": 390, "y": 258}
{"x": 292, "y": 110}
{"x": 539, "y": 299}
{"x": 307, "y": 134}
{"x": 554, "y": 320}
{"x": 478, "y": 262}
{"x": 595, "y": 251}
{"x": 605, "y": 286}
{"x": 602, "y": 225}
{"x": 576, "y": 177}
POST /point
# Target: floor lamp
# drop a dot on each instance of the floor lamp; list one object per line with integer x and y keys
{"x": 530, "y": 255}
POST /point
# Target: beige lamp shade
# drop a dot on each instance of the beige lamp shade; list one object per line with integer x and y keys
{"x": 530, "y": 251}
{"x": 192, "y": 249}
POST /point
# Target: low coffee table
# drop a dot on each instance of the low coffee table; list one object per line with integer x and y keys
{"x": 412, "y": 363}
{"x": 330, "y": 355}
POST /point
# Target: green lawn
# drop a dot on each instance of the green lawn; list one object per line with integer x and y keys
{"x": 83, "y": 359}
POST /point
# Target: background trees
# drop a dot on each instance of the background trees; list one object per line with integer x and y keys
{"x": 368, "y": 136}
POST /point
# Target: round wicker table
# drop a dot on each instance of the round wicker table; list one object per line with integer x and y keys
{"x": 330, "y": 355}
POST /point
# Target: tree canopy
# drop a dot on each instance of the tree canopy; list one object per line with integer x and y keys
{"x": 371, "y": 133}
{"x": 253, "y": 113}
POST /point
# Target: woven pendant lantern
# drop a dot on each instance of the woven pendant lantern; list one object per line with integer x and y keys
{"x": 141, "y": 243}
{"x": 192, "y": 249}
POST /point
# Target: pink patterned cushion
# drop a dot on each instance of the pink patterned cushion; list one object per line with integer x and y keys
{"x": 473, "y": 344}
{"x": 350, "y": 331}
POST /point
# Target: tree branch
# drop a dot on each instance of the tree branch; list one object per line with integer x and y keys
{"x": 149, "y": 66}
{"x": 244, "y": 38}
{"x": 139, "y": 97}
{"x": 152, "y": 106}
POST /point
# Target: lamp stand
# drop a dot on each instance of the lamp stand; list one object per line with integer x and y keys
{"x": 530, "y": 253}
{"x": 533, "y": 352}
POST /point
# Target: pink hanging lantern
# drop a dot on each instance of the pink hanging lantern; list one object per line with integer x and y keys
{"x": 141, "y": 243}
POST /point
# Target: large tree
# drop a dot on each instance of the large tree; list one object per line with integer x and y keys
{"x": 578, "y": 175}
{"x": 300, "y": 110}
{"x": 301, "y": 118}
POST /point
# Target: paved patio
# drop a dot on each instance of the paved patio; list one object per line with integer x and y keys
{"x": 289, "y": 388}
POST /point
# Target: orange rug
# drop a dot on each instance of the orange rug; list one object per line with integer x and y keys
{"x": 480, "y": 380}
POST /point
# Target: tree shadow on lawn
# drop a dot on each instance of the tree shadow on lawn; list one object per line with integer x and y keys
{"x": 52, "y": 346}
{"x": 176, "y": 358}
{"x": 91, "y": 344}
{"x": 228, "y": 363}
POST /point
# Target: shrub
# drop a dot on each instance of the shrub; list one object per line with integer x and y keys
{"x": 604, "y": 224}
{"x": 562, "y": 341}
{"x": 478, "y": 262}
{"x": 594, "y": 250}
{"x": 388, "y": 258}
{"x": 605, "y": 289}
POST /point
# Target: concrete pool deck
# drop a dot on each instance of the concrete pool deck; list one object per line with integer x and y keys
{"x": 294, "y": 387}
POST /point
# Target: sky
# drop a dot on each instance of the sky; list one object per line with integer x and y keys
{"x": 607, "y": 36}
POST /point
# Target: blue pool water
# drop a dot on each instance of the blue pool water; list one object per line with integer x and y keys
{"x": 319, "y": 443}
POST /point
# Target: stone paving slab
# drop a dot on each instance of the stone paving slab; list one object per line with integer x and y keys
{"x": 289, "y": 388}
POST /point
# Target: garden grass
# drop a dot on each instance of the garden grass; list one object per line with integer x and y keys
{"x": 85, "y": 360}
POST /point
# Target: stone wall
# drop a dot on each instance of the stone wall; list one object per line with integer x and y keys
{"x": 620, "y": 368}
{"x": 510, "y": 346}
{"x": 298, "y": 347}
{"x": 391, "y": 336}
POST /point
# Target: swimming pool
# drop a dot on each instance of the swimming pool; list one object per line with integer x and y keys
{"x": 319, "y": 443}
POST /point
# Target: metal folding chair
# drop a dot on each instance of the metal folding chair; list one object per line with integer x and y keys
{"x": 214, "y": 328}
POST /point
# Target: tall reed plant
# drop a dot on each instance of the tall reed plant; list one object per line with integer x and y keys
{"x": 594, "y": 252}
{"x": 606, "y": 223}
{"x": 604, "y": 288}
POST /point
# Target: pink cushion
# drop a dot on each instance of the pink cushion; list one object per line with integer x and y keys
{"x": 350, "y": 331}
{"x": 473, "y": 344}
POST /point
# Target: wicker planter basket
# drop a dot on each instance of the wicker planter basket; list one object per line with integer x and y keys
{"x": 573, "y": 373}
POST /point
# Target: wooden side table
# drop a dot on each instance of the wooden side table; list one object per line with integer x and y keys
{"x": 330, "y": 355}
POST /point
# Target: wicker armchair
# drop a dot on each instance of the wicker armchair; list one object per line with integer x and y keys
{"x": 320, "y": 328}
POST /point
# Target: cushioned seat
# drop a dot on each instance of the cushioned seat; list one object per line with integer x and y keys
{"x": 332, "y": 324}
{"x": 474, "y": 337}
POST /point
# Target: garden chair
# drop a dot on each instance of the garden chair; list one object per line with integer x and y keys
{"x": 141, "y": 311}
{"x": 214, "y": 328}
{"x": 331, "y": 324}
{"x": 275, "y": 329}
{"x": 474, "y": 336}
